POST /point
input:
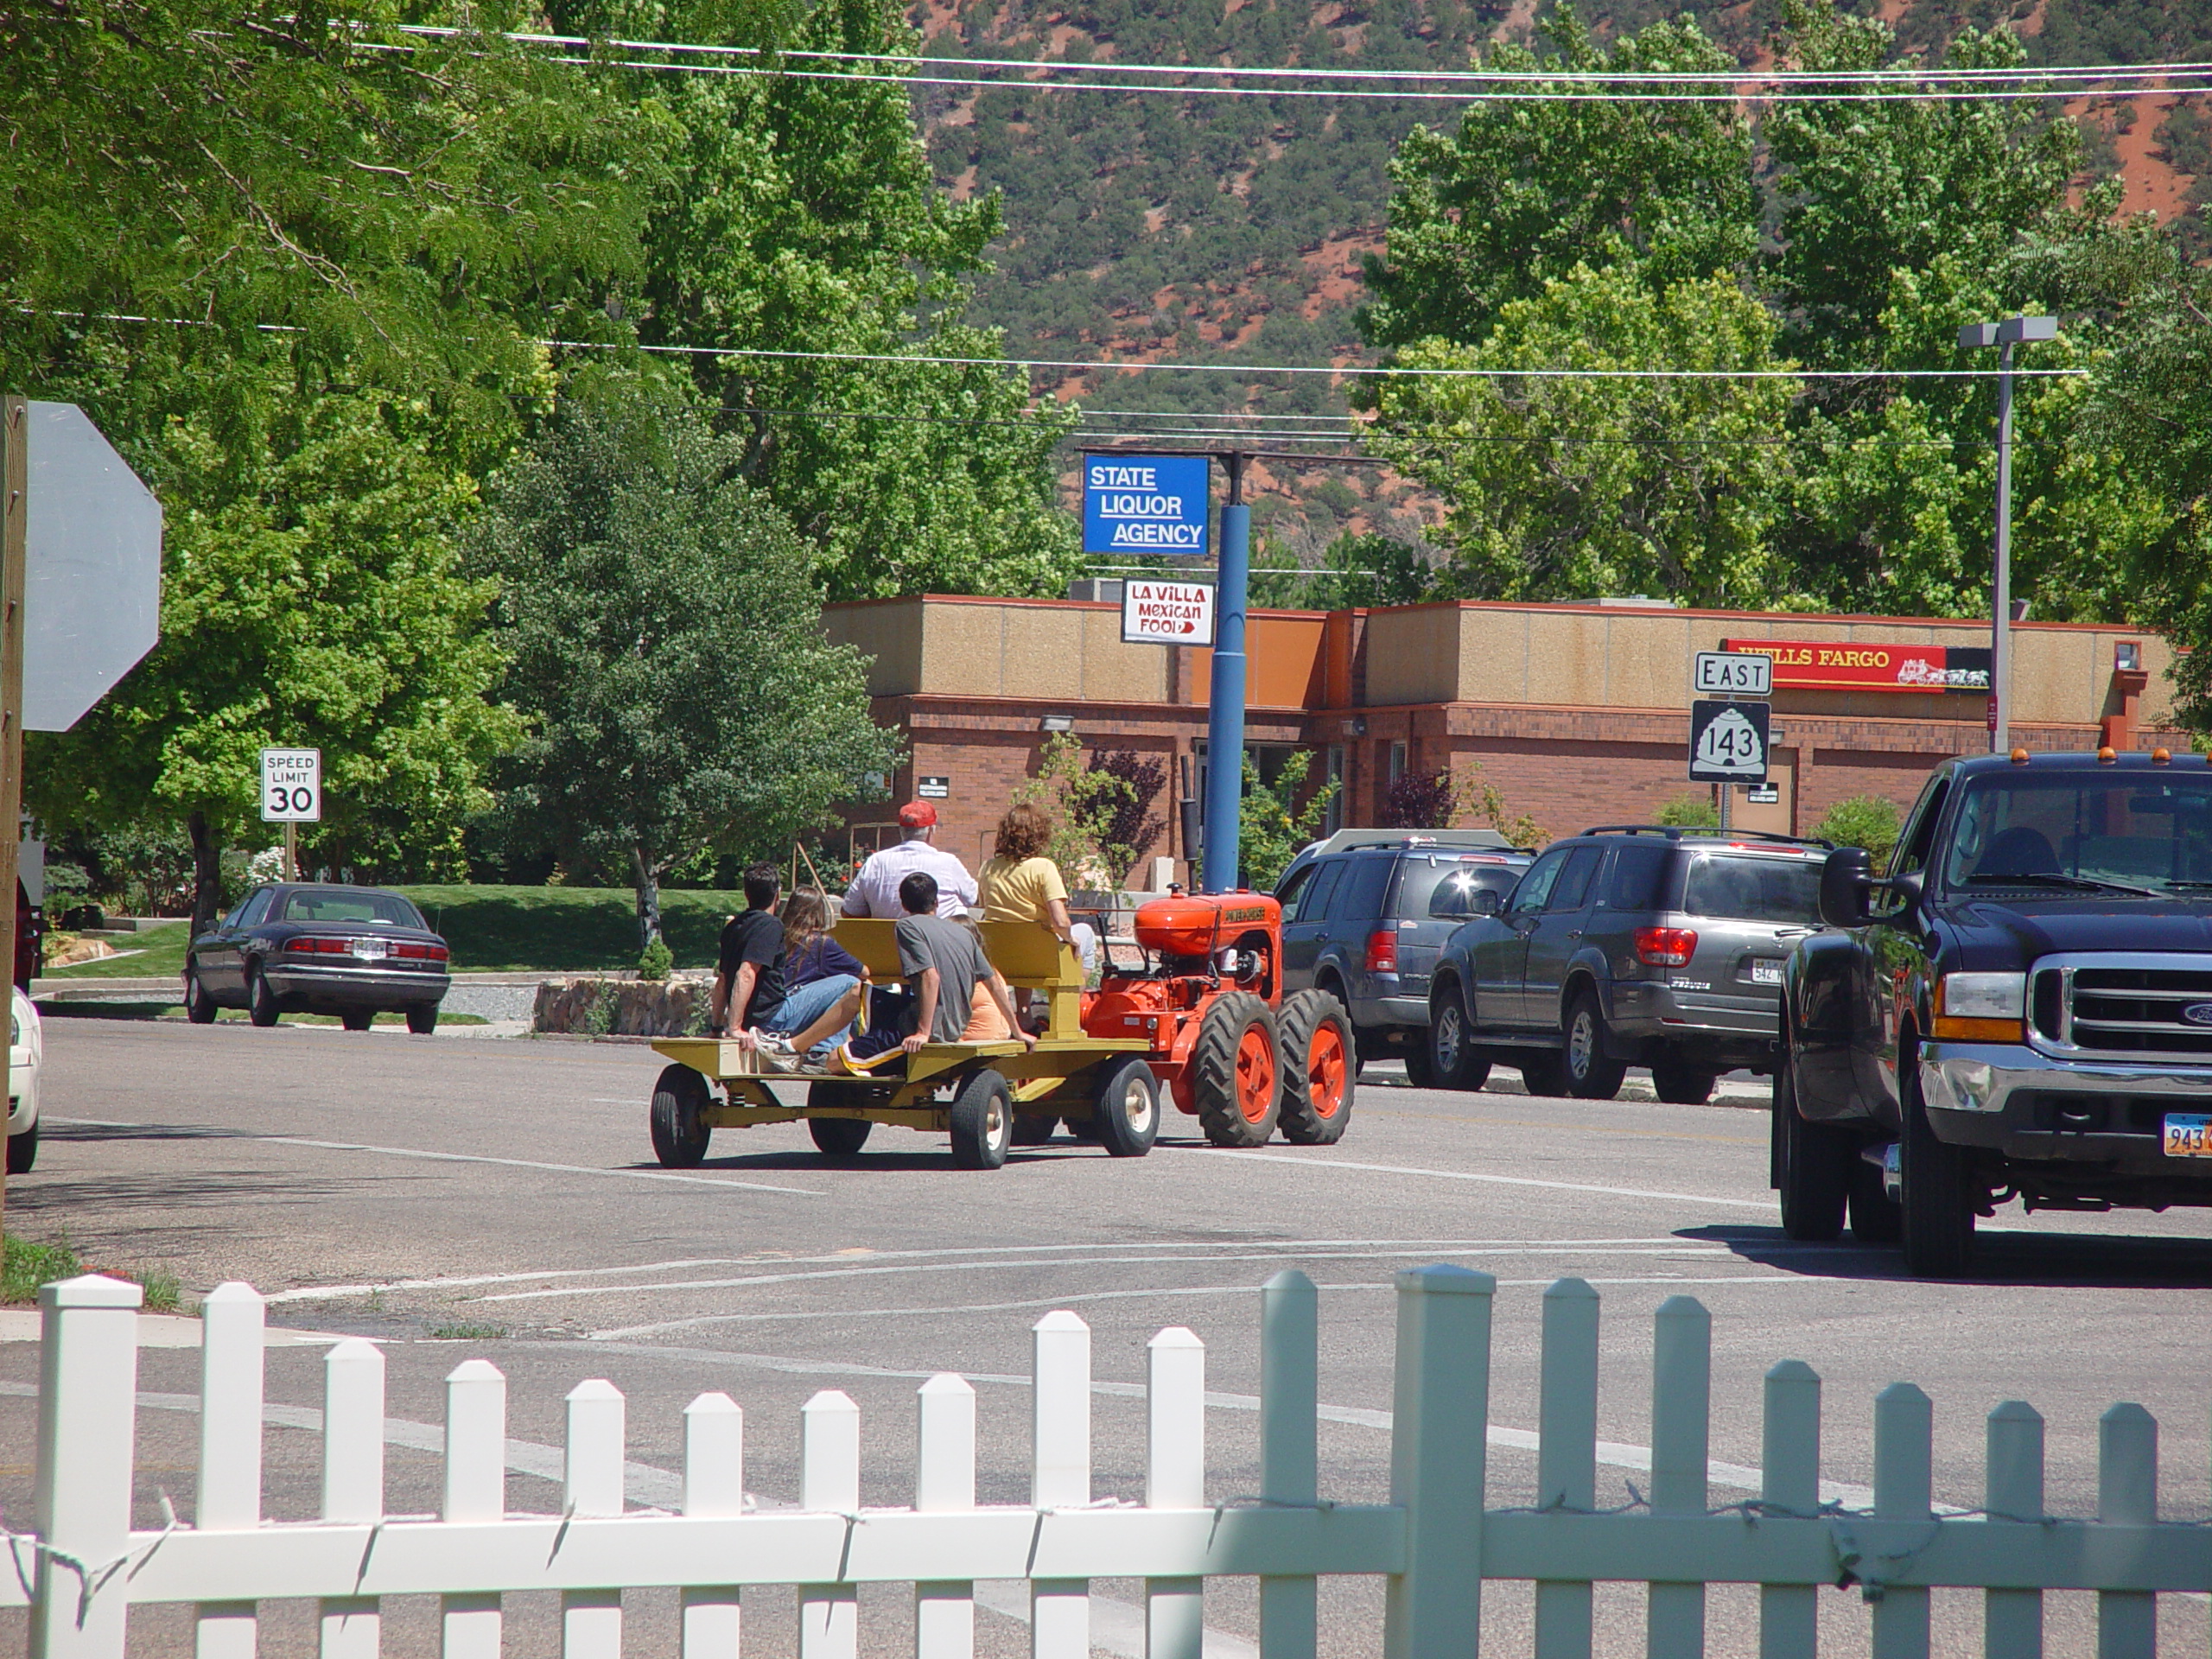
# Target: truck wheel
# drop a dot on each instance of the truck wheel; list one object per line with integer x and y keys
{"x": 260, "y": 1000}
{"x": 1590, "y": 1074}
{"x": 1938, "y": 1207}
{"x": 1680, "y": 1083}
{"x": 1318, "y": 1056}
{"x": 1453, "y": 1060}
{"x": 1236, "y": 1071}
{"x": 679, "y": 1117}
{"x": 1420, "y": 1069}
{"x": 1811, "y": 1164}
{"x": 199, "y": 1006}
{"x": 1031, "y": 1130}
{"x": 838, "y": 1137}
{"x": 1875, "y": 1217}
{"x": 1125, "y": 1112}
{"x": 357, "y": 1019}
{"x": 422, "y": 1018}
{"x": 982, "y": 1122}
{"x": 22, "y": 1150}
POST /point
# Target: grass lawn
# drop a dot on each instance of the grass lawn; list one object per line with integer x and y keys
{"x": 498, "y": 930}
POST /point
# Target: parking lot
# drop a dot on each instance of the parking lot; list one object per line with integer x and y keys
{"x": 459, "y": 1196}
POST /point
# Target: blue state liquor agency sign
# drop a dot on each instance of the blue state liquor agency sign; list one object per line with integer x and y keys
{"x": 1145, "y": 503}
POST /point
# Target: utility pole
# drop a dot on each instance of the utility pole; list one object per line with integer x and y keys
{"x": 2004, "y": 336}
{"x": 1225, "y": 712}
{"x": 15, "y": 508}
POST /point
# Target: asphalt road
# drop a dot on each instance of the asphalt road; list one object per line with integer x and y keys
{"x": 459, "y": 1197}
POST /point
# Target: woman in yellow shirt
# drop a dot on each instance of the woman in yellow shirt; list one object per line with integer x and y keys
{"x": 1019, "y": 884}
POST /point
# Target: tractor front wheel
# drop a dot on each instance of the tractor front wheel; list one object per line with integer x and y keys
{"x": 1236, "y": 1071}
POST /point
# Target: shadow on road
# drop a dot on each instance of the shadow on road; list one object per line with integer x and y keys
{"x": 2054, "y": 1260}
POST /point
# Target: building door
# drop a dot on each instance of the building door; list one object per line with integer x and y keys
{"x": 1779, "y": 816}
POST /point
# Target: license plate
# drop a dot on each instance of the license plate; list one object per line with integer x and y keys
{"x": 1765, "y": 970}
{"x": 2189, "y": 1134}
{"x": 372, "y": 949}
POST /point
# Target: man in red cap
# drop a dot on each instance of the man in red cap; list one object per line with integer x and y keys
{"x": 874, "y": 891}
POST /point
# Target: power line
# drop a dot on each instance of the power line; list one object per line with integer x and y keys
{"x": 1247, "y": 370}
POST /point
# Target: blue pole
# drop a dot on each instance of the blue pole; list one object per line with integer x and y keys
{"x": 1226, "y": 720}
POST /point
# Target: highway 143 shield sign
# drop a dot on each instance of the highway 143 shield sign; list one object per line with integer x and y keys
{"x": 1727, "y": 742}
{"x": 1166, "y": 613}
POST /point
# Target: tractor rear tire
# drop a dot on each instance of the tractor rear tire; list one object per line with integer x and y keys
{"x": 678, "y": 1121}
{"x": 982, "y": 1122}
{"x": 1319, "y": 1061}
{"x": 1236, "y": 1071}
{"x": 1125, "y": 1111}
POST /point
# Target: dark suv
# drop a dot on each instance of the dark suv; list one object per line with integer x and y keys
{"x": 2022, "y": 1008}
{"x": 1366, "y": 923}
{"x": 1628, "y": 944}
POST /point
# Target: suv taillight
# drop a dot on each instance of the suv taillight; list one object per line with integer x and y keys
{"x": 1665, "y": 947}
{"x": 1383, "y": 951}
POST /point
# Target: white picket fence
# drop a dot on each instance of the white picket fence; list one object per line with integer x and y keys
{"x": 1434, "y": 1541}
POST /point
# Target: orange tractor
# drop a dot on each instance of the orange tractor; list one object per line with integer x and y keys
{"x": 1229, "y": 1049}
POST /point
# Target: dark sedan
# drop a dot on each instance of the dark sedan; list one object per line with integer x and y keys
{"x": 355, "y": 952}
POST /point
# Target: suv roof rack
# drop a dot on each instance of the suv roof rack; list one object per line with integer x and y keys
{"x": 1677, "y": 831}
{"x": 1349, "y": 840}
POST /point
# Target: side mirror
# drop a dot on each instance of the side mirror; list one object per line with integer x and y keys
{"x": 1484, "y": 902}
{"x": 1847, "y": 883}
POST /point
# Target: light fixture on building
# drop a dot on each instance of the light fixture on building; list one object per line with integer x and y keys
{"x": 1356, "y": 727}
{"x": 2127, "y": 657}
{"x": 1059, "y": 722}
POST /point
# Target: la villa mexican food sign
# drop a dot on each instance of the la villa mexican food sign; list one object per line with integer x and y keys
{"x": 1811, "y": 666}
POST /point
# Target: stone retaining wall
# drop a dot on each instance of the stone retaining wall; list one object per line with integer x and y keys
{"x": 623, "y": 1008}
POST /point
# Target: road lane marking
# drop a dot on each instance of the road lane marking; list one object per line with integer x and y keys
{"x": 1026, "y": 1305}
{"x": 1239, "y": 1155}
{"x": 1410, "y": 1246}
{"x": 1673, "y": 1248}
{"x": 458, "y": 1156}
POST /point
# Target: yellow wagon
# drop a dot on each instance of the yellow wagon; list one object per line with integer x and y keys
{"x": 985, "y": 1096}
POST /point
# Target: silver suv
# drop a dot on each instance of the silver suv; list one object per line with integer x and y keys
{"x": 1365, "y": 922}
{"x": 1630, "y": 944}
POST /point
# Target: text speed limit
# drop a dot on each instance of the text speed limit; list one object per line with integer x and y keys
{"x": 291, "y": 786}
{"x": 1727, "y": 742}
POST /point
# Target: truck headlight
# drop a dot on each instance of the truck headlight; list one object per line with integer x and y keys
{"x": 1981, "y": 1008}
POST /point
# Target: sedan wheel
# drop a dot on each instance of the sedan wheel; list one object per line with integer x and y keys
{"x": 199, "y": 1006}
{"x": 260, "y": 1000}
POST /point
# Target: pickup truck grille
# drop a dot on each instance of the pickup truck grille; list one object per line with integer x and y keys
{"x": 2156, "y": 1007}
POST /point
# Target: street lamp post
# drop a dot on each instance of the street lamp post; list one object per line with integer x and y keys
{"x": 2013, "y": 331}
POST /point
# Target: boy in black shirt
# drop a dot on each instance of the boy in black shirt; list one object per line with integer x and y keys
{"x": 749, "y": 975}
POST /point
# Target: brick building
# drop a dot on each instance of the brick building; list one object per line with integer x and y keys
{"x": 1578, "y": 713}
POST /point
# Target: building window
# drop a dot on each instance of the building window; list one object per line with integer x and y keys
{"x": 1397, "y": 763}
{"x": 1332, "y": 817}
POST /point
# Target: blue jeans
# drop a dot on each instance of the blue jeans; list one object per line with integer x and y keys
{"x": 804, "y": 1004}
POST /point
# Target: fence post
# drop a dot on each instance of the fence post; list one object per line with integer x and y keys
{"x": 88, "y": 1418}
{"x": 1439, "y": 1442}
{"x": 1060, "y": 1609}
{"x": 944, "y": 1480}
{"x": 1903, "y": 1489}
{"x": 475, "y": 1490}
{"x": 829, "y": 1481}
{"x": 714, "y": 1485}
{"x": 1175, "y": 1478}
{"x": 2128, "y": 1495}
{"x": 352, "y": 1481}
{"x": 1681, "y": 1394}
{"x": 230, "y": 1340}
{"x": 591, "y": 1620}
{"x": 1566, "y": 1453}
{"x": 1290, "y": 1395}
{"x": 2012, "y": 1489}
{"x": 1790, "y": 1485}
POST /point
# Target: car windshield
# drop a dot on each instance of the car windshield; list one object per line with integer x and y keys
{"x": 2090, "y": 829}
{"x": 1447, "y": 886}
{"x": 1749, "y": 888}
{"x": 350, "y": 905}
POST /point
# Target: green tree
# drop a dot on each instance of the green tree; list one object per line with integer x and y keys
{"x": 312, "y": 596}
{"x": 1868, "y": 820}
{"x": 1273, "y": 822}
{"x": 1528, "y": 190}
{"x": 665, "y": 634}
{"x": 1562, "y": 487}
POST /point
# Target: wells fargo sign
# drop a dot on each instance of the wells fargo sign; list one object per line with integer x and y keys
{"x": 1813, "y": 666}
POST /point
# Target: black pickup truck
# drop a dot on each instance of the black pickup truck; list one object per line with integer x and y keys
{"x": 2021, "y": 1008}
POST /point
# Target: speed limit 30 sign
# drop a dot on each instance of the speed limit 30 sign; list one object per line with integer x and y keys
{"x": 291, "y": 786}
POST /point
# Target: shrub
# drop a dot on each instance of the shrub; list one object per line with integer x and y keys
{"x": 1413, "y": 802}
{"x": 1122, "y": 819}
{"x": 1866, "y": 821}
{"x": 1689, "y": 811}
{"x": 655, "y": 960}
